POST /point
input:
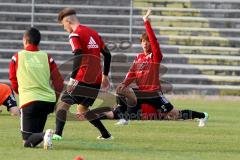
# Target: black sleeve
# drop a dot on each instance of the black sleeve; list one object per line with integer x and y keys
{"x": 76, "y": 62}
{"x": 107, "y": 60}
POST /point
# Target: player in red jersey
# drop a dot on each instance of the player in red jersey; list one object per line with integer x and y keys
{"x": 145, "y": 72}
{"x": 87, "y": 77}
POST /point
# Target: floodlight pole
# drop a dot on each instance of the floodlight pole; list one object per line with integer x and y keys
{"x": 32, "y": 14}
{"x": 130, "y": 20}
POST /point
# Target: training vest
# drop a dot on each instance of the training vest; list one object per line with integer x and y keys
{"x": 33, "y": 75}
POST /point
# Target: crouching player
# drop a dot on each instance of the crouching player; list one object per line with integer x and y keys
{"x": 145, "y": 72}
{"x": 32, "y": 72}
{"x": 7, "y": 99}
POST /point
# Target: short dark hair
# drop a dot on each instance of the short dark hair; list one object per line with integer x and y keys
{"x": 33, "y": 36}
{"x": 144, "y": 36}
{"x": 65, "y": 12}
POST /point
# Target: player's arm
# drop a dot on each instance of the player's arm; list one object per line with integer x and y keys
{"x": 77, "y": 53}
{"x": 56, "y": 77}
{"x": 77, "y": 58}
{"x": 130, "y": 77}
{"x": 107, "y": 62}
{"x": 157, "y": 54}
{"x": 13, "y": 73}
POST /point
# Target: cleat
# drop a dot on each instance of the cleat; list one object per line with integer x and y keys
{"x": 122, "y": 122}
{"x": 57, "y": 137}
{"x": 203, "y": 121}
{"x": 102, "y": 138}
{"x": 47, "y": 139}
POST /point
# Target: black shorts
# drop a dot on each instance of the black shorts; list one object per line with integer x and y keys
{"x": 155, "y": 99}
{"x": 84, "y": 94}
{"x": 10, "y": 101}
{"x": 34, "y": 116}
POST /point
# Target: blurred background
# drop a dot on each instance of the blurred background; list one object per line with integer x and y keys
{"x": 200, "y": 39}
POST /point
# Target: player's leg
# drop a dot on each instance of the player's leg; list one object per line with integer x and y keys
{"x": 61, "y": 116}
{"x": 29, "y": 126}
{"x": 115, "y": 112}
{"x": 94, "y": 119}
{"x": 127, "y": 101}
{"x": 62, "y": 108}
{"x": 190, "y": 114}
{"x": 85, "y": 95}
{"x": 167, "y": 108}
{"x": 45, "y": 111}
{"x": 11, "y": 105}
{"x": 182, "y": 114}
{"x": 88, "y": 100}
{"x": 164, "y": 108}
{"x": 128, "y": 97}
{"x": 120, "y": 110}
{"x": 121, "y": 103}
{"x": 34, "y": 118}
{"x": 174, "y": 114}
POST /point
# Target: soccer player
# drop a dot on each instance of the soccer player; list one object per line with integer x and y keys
{"x": 145, "y": 72}
{"x": 31, "y": 71}
{"x": 86, "y": 77}
{"x": 7, "y": 99}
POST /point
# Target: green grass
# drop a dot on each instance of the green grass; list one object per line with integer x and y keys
{"x": 148, "y": 140}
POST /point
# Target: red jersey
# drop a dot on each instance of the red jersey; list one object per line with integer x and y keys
{"x": 145, "y": 68}
{"x": 56, "y": 77}
{"x": 90, "y": 43}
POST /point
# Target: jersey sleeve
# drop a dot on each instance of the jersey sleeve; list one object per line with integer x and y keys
{"x": 107, "y": 60}
{"x": 13, "y": 73}
{"x": 131, "y": 75}
{"x": 75, "y": 42}
{"x": 102, "y": 44}
{"x": 56, "y": 77}
{"x": 157, "y": 54}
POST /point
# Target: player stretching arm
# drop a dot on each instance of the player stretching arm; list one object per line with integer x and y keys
{"x": 145, "y": 72}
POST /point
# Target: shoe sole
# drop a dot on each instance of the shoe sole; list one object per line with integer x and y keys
{"x": 46, "y": 146}
{"x": 47, "y": 140}
{"x": 110, "y": 138}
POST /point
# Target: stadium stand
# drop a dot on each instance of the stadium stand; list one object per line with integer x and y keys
{"x": 200, "y": 39}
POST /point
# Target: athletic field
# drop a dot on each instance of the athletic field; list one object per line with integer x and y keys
{"x": 141, "y": 140}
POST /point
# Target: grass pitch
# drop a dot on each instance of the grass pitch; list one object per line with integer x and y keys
{"x": 147, "y": 140}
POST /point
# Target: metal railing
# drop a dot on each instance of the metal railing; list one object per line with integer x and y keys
{"x": 130, "y": 17}
{"x": 32, "y": 14}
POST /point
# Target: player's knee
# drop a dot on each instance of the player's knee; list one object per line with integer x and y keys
{"x": 168, "y": 108}
{"x": 121, "y": 100}
{"x": 127, "y": 98}
{"x": 26, "y": 144}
